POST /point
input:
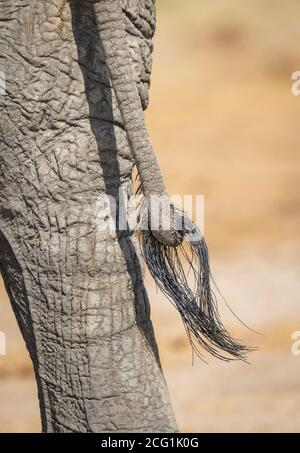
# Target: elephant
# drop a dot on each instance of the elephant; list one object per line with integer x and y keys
{"x": 72, "y": 129}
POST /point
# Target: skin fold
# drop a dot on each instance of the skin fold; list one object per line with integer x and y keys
{"x": 77, "y": 291}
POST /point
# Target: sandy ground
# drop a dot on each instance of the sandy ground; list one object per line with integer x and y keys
{"x": 224, "y": 124}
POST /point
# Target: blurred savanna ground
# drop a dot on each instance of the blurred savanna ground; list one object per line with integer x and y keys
{"x": 224, "y": 124}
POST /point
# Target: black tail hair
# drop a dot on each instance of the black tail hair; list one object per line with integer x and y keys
{"x": 197, "y": 306}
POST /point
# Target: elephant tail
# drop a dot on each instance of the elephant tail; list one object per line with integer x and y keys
{"x": 183, "y": 274}
{"x": 164, "y": 249}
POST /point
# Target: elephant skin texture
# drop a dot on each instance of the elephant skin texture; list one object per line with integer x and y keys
{"x": 77, "y": 290}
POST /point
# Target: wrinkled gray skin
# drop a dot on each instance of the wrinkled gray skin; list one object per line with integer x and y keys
{"x": 77, "y": 291}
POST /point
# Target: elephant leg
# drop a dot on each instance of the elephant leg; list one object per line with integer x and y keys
{"x": 85, "y": 320}
{"x": 76, "y": 289}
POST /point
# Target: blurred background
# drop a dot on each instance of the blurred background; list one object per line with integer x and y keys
{"x": 224, "y": 124}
